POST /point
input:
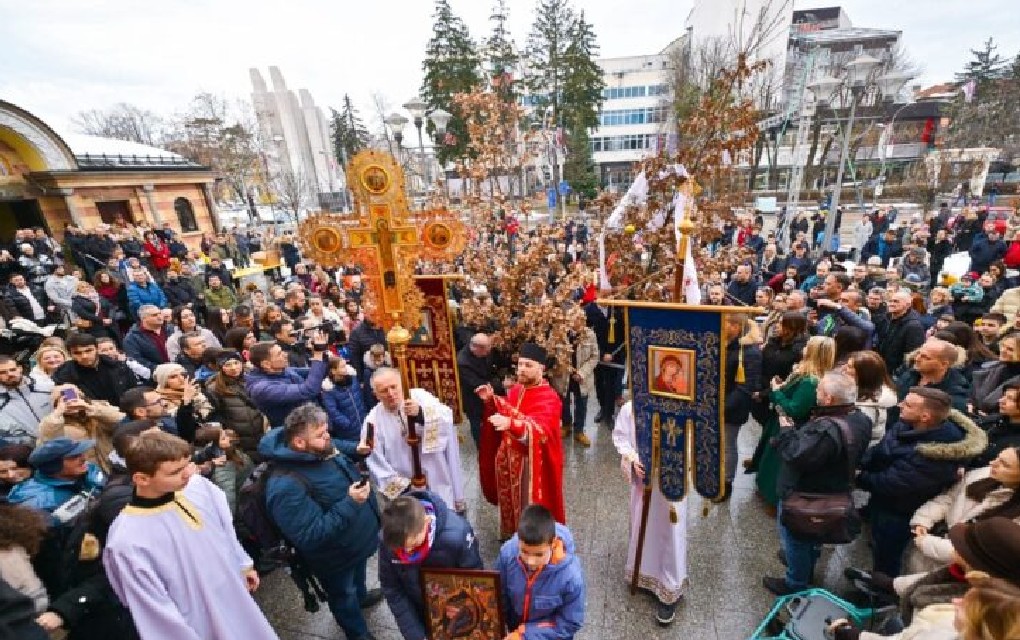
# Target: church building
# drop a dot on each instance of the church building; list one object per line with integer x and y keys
{"x": 51, "y": 181}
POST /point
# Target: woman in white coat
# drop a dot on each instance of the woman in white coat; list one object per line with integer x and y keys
{"x": 875, "y": 393}
{"x": 862, "y": 232}
{"x": 982, "y": 493}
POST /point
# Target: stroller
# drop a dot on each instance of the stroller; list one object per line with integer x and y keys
{"x": 807, "y": 615}
{"x": 21, "y": 338}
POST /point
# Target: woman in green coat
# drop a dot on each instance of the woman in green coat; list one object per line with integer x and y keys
{"x": 795, "y": 397}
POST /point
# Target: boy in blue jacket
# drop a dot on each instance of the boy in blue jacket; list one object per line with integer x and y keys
{"x": 419, "y": 530}
{"x": 538, "y": 569}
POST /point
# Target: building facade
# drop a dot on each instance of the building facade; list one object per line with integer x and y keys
{"x": 297, "y": 135}
{"x": 51, "y": 181}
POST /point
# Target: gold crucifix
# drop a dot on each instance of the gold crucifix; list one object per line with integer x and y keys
{"x": 383, "y": 235}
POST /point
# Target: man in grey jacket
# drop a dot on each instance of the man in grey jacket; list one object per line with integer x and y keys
{"x": 23, "y": 403}
{"x": 60, "y": 287}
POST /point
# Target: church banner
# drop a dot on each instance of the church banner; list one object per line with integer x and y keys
{"x": 431, "y": 355}
{"x": 677, "y": 388}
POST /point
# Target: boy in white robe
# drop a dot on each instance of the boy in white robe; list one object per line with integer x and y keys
{"x": 172, "y": 555}
{"x": 663, "y": 569}
{"x": 390, "y": 462}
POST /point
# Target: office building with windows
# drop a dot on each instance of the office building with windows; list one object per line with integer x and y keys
{"x": 635, "y": 114}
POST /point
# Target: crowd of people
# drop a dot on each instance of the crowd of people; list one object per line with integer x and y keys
{"x": 155, "y": 413}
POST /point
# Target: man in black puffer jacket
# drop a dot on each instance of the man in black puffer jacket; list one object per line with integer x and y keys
{"x": 419, "y": 530}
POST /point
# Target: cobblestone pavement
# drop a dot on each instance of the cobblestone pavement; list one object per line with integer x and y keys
{"x": 729, "y": 550}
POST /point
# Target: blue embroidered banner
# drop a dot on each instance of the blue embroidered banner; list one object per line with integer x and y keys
{"x": 676, "y": 386}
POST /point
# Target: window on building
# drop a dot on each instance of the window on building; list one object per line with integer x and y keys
{"x": 185, "y": 215}
{"x": 115, "y": 211}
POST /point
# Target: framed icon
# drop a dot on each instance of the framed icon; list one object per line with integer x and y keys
{"x": 672, "y": 372}
{"x": 462, "y": 604}
{"x": 425, "y": 335}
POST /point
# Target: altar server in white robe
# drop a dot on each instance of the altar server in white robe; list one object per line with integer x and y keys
{"x": 663, "y": 569}
{"x": 390, "y": 461}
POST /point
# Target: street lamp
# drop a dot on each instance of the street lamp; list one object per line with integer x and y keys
{"x": 416, "y": 107}
{"x": 440, "y": 120}
{"x": 858, "y": 79}
{"x": 396, "y": 123}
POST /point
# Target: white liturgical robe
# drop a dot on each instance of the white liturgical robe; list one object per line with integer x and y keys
{"x": 390, "y": 461}
{"x": 664, "y": 556}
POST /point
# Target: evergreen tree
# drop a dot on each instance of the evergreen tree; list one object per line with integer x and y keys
{"x": 349, "y": 134}
{"x": 547, "y": 47}
{"x": 500, "y": 55}
{"x": 581, "y": 102}
{"x": 451, "y": 66}
{"x": 986, "y": 66}
{"x": 582, "y": 83}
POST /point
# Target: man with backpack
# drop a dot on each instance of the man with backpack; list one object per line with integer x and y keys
{"x": 323, "y": 506}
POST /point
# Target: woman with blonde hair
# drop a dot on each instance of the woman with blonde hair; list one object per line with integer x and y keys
{"x": 48, "y": 359}
{"x": 795, "y": 397}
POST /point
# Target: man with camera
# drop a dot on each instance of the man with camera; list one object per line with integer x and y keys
{"x": 329, "y": 513}
{"x": 289, "y": 339}
{"x": 817, "y": 458}
{"x": 62, "y": 479}
{"x": 275, "y": 387}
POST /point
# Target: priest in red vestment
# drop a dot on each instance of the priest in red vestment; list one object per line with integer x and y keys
{"x": 520, "y": 454}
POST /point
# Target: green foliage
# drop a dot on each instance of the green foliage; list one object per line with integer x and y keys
{"x": 500, "y": 55}
{"x": 547, "y": 49}
{"x": 579, "y": 167}
{"x": 452, "y": 65}
{"x": 582, "y": 82}
{"x": 986, "y": 66}
{"x": 347, "y": 132}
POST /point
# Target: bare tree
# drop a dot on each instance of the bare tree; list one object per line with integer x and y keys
{"x": 293, "y": 190}
{"x": 122, "y": 121}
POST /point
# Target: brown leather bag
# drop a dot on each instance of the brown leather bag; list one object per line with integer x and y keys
{"x": 824, "y": 518}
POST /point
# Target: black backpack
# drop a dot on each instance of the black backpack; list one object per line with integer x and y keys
{"x": 259, "y": 532}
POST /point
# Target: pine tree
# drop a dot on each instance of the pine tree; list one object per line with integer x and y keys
{"x": 547, "y": 47}
{"x": 986, "y": 66}
{"x": 500, "y": 54}
{"x": 452, "y": 65}
{"x": 582, "y": 83}
{"x": 349, "y": 134}
{"x": 581, "y": 102}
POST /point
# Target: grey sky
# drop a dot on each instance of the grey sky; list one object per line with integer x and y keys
{"x": 62, "y": 56}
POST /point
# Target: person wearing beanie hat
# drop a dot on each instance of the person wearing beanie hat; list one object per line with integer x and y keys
{"x": 61, "y": 473}
{"x": 521, "y": 438}
{"x": 173, "y": 385}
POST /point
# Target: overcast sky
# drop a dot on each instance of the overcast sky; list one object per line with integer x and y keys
{"x": 61, "y": 56}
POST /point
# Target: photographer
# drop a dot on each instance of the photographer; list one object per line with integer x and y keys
{"x": 289, "y": 339}
{"x": 276, "y": 388}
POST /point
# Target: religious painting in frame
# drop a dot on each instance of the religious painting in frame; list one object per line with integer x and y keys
{"x": 462, "y": 604}
{"x": 425, "y": 336}
{"x": 672, "y": 372}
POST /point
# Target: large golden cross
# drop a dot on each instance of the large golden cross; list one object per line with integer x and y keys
{"x": 383, "y": 235}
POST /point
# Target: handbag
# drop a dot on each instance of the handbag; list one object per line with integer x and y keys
{"x": 824, "y": 518}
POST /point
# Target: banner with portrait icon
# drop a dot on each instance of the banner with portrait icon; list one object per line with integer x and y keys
{"x": 676, "y": 356}
{"x": 431, "y": 355}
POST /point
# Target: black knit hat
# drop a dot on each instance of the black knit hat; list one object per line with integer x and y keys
{"x": 991, "y": 545}
{"x": 532, "y": 351}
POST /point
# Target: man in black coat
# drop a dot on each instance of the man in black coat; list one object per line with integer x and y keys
{"x": 179, "y": 290}
{"x": 743, "y": 360}
{"x": 903, "y": 334}
{"x": 918, "y": 458}
{"x": 362, "y": 338}
{"x": 419, "y": 530}
{"x": 99, "y": 377}
{"x": 817, "y": 458}
{"x": 934, "y": 367}
{"x": 476, "y": 367}
{"x": 742, "y": 288}
{"x": 607, "y": 323}
{"x": 1003, "y": 428}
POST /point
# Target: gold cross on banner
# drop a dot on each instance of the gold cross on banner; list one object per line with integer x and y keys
{"x": 671, "y": 432}
{"x": 384, "y": 236}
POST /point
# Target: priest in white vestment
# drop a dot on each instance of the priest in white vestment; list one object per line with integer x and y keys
{"x": 390, "y": 461}
{"x": 663, "y": 569}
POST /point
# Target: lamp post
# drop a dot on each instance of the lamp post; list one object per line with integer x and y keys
{"x": 858, "y": 80}
{"x": 416, "y": 107}
{"x": 395, "y": 122}
{"x": 440, "y": 120}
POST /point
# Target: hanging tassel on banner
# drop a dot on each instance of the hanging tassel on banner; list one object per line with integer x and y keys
{"x": 612, "y": 326}
{"x": 740, "y": 377}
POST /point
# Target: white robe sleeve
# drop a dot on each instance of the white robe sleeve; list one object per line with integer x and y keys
{"x": 226, "y": 521}
{"x": 625, "y": 440}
